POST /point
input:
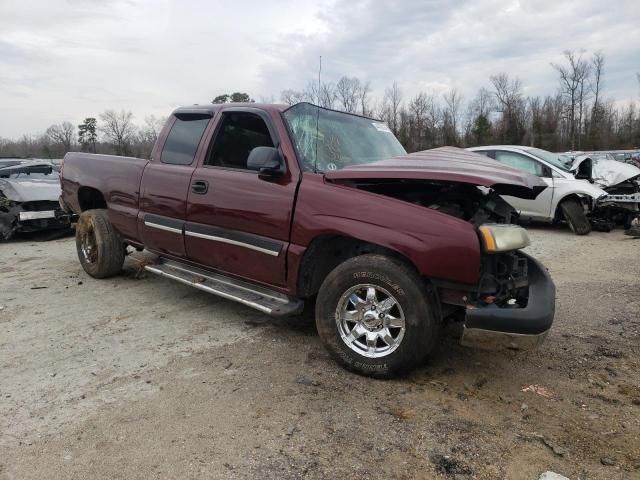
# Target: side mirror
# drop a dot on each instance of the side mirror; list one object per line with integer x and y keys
{"x": 267, "y": 161}
{"x": 585, "y": 169}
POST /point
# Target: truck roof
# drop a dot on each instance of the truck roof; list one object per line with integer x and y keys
{"x": 212, "y": 108}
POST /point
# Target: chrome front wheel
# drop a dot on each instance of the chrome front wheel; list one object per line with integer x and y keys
{"x": 370, "y": 320}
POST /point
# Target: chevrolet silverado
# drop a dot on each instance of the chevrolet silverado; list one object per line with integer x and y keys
{"x": 274, "y": 206}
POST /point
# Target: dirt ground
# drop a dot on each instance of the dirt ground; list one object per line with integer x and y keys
{"x": 140, "y": 377}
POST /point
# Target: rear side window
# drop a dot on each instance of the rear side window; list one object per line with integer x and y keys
{"x": 183, "y": 139}
{"x": 520, "y": 162}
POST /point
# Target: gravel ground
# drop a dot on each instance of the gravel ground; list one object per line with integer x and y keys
{"x": 141, "y": 377}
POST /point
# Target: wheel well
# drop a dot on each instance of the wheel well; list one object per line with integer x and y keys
{"x": 89, "y": 198}
{"x": 327, "y": 252}
{"x": 558, "y": 213}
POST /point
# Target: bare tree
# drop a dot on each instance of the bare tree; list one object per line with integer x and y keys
{"x": 118, "y": 128}
{"x": 291, "y": 97}
{"x": 572, "y": 81}
{"x": 148, "y": 134}
{"x": 453, "y": 101}
{"x": 597, "y": 67}
{"x": 61, "y": 135}
{"x": 418, "y": 131}
{"x": 348, "y": 92}
{"x": 391, "y": 106}
{"x": 327, "y": 95}
{"x": 508, "y": 93}
{"x": 483, "y": 102}
{"x": 323, "y": 95}
{"x": 597, "y": 64}
{"x": 365, "y": 90}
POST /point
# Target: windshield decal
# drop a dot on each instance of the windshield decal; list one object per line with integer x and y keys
{"x": 381, "y": 127}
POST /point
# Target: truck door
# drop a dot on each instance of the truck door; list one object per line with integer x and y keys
{"x": 238, "y": 222}
{"x": 165, "y": 183}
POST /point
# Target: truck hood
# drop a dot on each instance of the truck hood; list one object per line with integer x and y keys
{"x": 607, "y": 173}
{"x": 446, "y": 164}
{"x": 30, "y": 189}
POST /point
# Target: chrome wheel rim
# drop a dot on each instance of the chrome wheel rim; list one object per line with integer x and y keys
{"x": 370, "y": 321}
{"x": 89, "y": 246}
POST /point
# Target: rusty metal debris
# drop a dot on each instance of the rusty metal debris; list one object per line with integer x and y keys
{"x": 539, "y": 390}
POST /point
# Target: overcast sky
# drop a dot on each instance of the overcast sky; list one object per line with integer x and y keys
{"x": 69, "y": 59}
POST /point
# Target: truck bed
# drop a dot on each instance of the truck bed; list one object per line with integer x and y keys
{"x": 86, "y": 178}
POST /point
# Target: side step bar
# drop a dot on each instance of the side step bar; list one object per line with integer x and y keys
{"x": 260, "y": 298}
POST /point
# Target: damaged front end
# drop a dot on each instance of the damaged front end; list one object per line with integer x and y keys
{"x": 513, "y": 304}
{"x": 29, "y": 192}
{"x": 621, "y": 182}
{"x": 29, "y": 217}
{"x": 516, "y": 308}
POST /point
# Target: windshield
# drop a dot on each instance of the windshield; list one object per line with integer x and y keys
{"x": 339, "y": 139}
{"x": 561, "y": 162}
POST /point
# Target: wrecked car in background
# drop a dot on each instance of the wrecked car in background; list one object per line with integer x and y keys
{"x": 620, "y": 180}
{"x": 29, "y": 192}
{"x": 598, "y": 194}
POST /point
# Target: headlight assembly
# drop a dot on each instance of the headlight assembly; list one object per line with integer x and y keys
{"x": 503, "y": 238}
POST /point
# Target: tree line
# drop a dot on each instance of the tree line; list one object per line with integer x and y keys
{"x": 578, "y": 116}
{"x": 113, "y": 132}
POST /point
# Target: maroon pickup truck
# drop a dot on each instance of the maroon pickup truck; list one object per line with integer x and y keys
{"x": 272, "y": 206}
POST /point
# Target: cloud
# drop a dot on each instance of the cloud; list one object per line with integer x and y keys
{"x": 460, "y": 44}
{"x": 68, "y": 59}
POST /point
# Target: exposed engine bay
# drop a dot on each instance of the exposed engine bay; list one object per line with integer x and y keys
{"x": 503, "y": 276}
{"x": 476, "y": 205}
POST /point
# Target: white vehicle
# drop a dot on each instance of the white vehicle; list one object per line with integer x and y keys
{"x": 580, "y": 193}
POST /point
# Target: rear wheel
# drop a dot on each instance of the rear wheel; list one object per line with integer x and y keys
{"x": 573, "y": 213}
{"x": 376, "y": 316}
{"x": 100, "y": 250}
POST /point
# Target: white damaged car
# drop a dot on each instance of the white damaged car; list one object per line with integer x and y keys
{"x": 29, "y": 192}
{"x": 585, "y": 192}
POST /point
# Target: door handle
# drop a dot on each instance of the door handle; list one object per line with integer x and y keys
{"x": 200, "y": 187}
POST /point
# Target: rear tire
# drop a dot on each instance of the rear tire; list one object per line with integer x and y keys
{"x": 359, "y": 306}
{"x": 100, "y": 249}
{"x": 573, "y": 213}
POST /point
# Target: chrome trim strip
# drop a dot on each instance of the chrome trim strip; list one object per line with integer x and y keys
{"x": 232, "y": 242}
{"x": 162, "y": 227}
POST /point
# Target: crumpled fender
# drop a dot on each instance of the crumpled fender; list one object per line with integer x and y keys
{"x": 564, "y": 188}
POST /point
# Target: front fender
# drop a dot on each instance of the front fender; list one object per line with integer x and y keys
{"x": 564, "y": 188}
{"x": 438, "y": 245}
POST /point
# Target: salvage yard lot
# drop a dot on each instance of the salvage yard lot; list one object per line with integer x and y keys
{"x": 141, "y": 377}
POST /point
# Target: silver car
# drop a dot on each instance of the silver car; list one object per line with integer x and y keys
{"x": 29, "y": 191}
{"x": 574, "y": 193}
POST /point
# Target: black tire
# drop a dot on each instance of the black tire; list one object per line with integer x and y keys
{"x": 573, "y": 213}
{"x": 414, "y": 297}
{"x": 100, "y": 249}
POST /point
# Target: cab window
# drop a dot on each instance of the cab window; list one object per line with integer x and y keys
{"x": 183, "y": 139}
{"x": 238, "y": 134}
